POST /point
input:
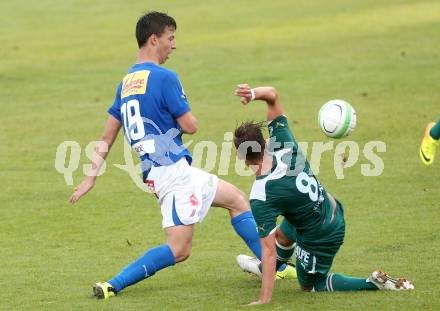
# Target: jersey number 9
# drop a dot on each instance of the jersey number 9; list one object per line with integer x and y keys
{"x": 132, "y": 120}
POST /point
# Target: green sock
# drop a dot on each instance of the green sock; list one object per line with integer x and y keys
{"x": 339, "y": 282}
{"x": 435, "y": 131}
{"x": 284, "y": 253}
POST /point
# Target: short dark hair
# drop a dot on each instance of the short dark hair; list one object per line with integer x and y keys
{"x": 152, "y": 23}
{"x": 249, "y": 135}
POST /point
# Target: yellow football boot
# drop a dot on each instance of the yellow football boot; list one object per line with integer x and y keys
{"x": 103, "y": 290}
{"x": 252, "y": 265}
{"x": 289, "y": 273}
{"x": 428, "y": 147}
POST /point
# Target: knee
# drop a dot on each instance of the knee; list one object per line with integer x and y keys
{"x": 182, "y": 256}
{"x": 241, "y": 202}
{"x": 181, "y": 252}
{"x": 282, "y": 239}
{"x": 242, "y": 195}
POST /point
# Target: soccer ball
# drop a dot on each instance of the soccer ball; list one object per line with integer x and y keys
{"x": 337, "y": 118}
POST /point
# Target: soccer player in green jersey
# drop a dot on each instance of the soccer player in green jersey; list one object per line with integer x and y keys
{"x": 430, "y": 142}
{"x": 313, "y": 219}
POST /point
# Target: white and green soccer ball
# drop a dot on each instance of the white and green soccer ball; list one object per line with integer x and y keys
{"x": 337, "y": 118}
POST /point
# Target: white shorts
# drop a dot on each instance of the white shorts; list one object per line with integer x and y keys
{"x": 184, "y": 193}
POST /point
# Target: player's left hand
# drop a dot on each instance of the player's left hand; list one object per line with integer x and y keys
{"x": 255, "y": 303}
{"x": 82, "y": 189}
{"x": 244, "y": 92}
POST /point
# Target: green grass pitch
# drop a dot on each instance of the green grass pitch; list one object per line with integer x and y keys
{"x": 60, "y": 63}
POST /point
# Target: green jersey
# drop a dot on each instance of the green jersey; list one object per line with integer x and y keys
{"x": 292, "y": 190}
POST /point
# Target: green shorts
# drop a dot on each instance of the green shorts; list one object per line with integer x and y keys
{"x": 311, "y": 268}
{"x": 315, "y": 258}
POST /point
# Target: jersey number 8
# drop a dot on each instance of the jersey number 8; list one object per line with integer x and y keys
{"x": 307, "y": 184}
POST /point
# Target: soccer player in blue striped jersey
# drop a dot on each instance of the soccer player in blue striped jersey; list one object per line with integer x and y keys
{"x": 152, "y": 108}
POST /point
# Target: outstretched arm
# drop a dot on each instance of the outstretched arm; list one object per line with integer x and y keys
{"x": 267, "y": 93}
{"x": 111, "y": 130}
{"x": 268, "y": 263}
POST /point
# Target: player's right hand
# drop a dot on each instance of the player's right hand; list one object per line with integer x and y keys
{"x": 82, "y": 189}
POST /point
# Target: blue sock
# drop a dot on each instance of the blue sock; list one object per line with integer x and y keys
{"x": 152, "y": 261}
{"x": 245, "y": 226}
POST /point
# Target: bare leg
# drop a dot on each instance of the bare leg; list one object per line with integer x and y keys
{"x": 179, "y": 238}
{"x": 231, "y": 198}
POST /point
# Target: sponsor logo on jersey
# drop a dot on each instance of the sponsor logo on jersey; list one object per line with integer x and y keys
{"x": 144, "y": 146}
{"x": 261, "y": 228}
{"x": 134, "y": 83}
